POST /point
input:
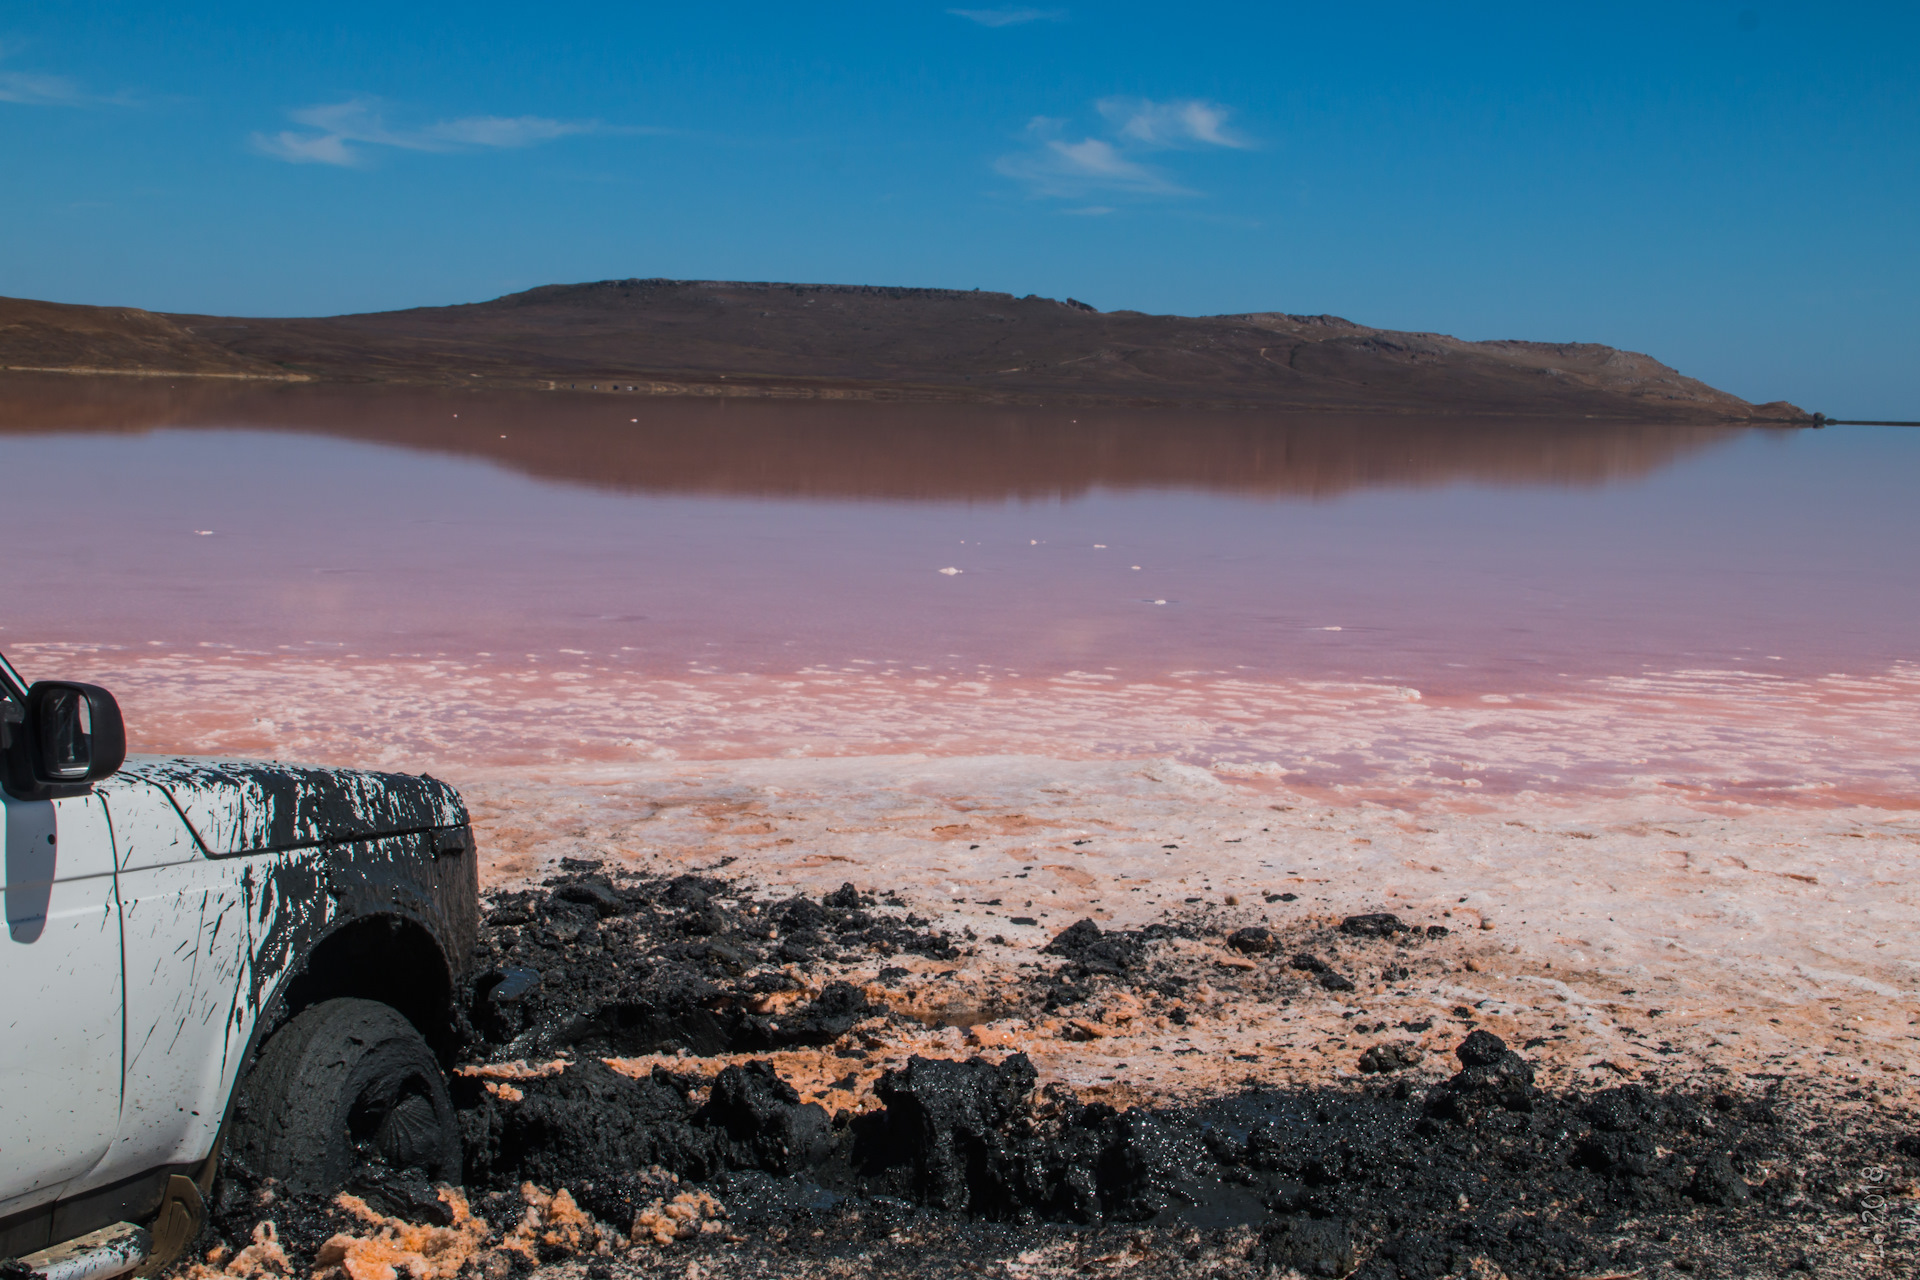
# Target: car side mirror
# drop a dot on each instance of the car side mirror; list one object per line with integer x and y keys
{"x": 73, "y": 736}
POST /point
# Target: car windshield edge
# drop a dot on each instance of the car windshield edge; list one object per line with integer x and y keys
{"x": 11, "y": 682}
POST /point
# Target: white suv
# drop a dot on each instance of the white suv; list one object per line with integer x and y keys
{"x": 206, "y": 956}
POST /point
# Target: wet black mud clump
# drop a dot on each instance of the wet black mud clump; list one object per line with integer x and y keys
{"x": 1396, "y": 1178}
{"x": 658, "y": 966}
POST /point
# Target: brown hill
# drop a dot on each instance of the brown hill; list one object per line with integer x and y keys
{"x": 53, "y": 336}
{"x": 839, "y": 341}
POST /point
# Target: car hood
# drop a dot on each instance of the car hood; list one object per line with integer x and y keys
{"x": 251, "y": 806}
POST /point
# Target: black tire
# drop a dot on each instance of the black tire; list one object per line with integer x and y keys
{"x": 346, "y": 1083}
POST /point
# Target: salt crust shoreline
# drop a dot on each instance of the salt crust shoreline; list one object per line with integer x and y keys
{"x": 1741, "y": 739}
{"x": 1734, "y": 852}
{"x": 1631, "y": 937}
{"x": 1703, "y": 880}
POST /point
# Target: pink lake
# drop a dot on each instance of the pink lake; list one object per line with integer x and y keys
{"x": 1425, "y": 610}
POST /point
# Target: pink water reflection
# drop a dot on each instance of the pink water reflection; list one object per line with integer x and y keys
{"x": 752, "y": 577}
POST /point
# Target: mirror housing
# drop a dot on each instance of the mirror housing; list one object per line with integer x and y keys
{"x": 72, "y": 737}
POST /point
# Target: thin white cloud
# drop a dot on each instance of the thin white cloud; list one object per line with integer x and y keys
{"x": 39, "y": 91}
{"x": 307, "y": 148}
{"x": 1009, "y": 17}
{"x": 1065, "y": 170}
{"x": 1183, "y": 123}
{"x": 36, "y": 89}
{"x": 505, "y": 131}
{"x": 342, "y": 132}
{"x": 1056, "y": 167}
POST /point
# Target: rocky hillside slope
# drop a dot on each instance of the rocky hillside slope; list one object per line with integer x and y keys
{"x": 840, "y": 341}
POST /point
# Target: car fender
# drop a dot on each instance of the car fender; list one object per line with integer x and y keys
{"x": 250, "y": 891}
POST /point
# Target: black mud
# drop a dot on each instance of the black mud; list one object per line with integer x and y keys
{"x": 1482, "y": 1173}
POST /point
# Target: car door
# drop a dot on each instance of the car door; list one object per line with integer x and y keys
{"x": 192, "y": 927}
{"x": 62, "y": 997}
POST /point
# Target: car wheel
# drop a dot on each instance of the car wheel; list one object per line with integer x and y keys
{"x": 346, "y": 1083}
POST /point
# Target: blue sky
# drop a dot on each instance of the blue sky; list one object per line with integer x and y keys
{"x": 1732, "y": 187}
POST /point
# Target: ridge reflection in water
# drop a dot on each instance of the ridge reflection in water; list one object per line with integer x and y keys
{"x": 863, "y": 449}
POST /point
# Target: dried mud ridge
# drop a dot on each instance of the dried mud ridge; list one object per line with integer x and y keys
{"x": 954, "y": 1167}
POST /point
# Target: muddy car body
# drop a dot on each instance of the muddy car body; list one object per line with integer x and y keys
{"x": 174, "y": 925}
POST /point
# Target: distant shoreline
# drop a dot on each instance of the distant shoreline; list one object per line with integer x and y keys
{"x": 154, "y": 373}
{"x": 892, "y": 393}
